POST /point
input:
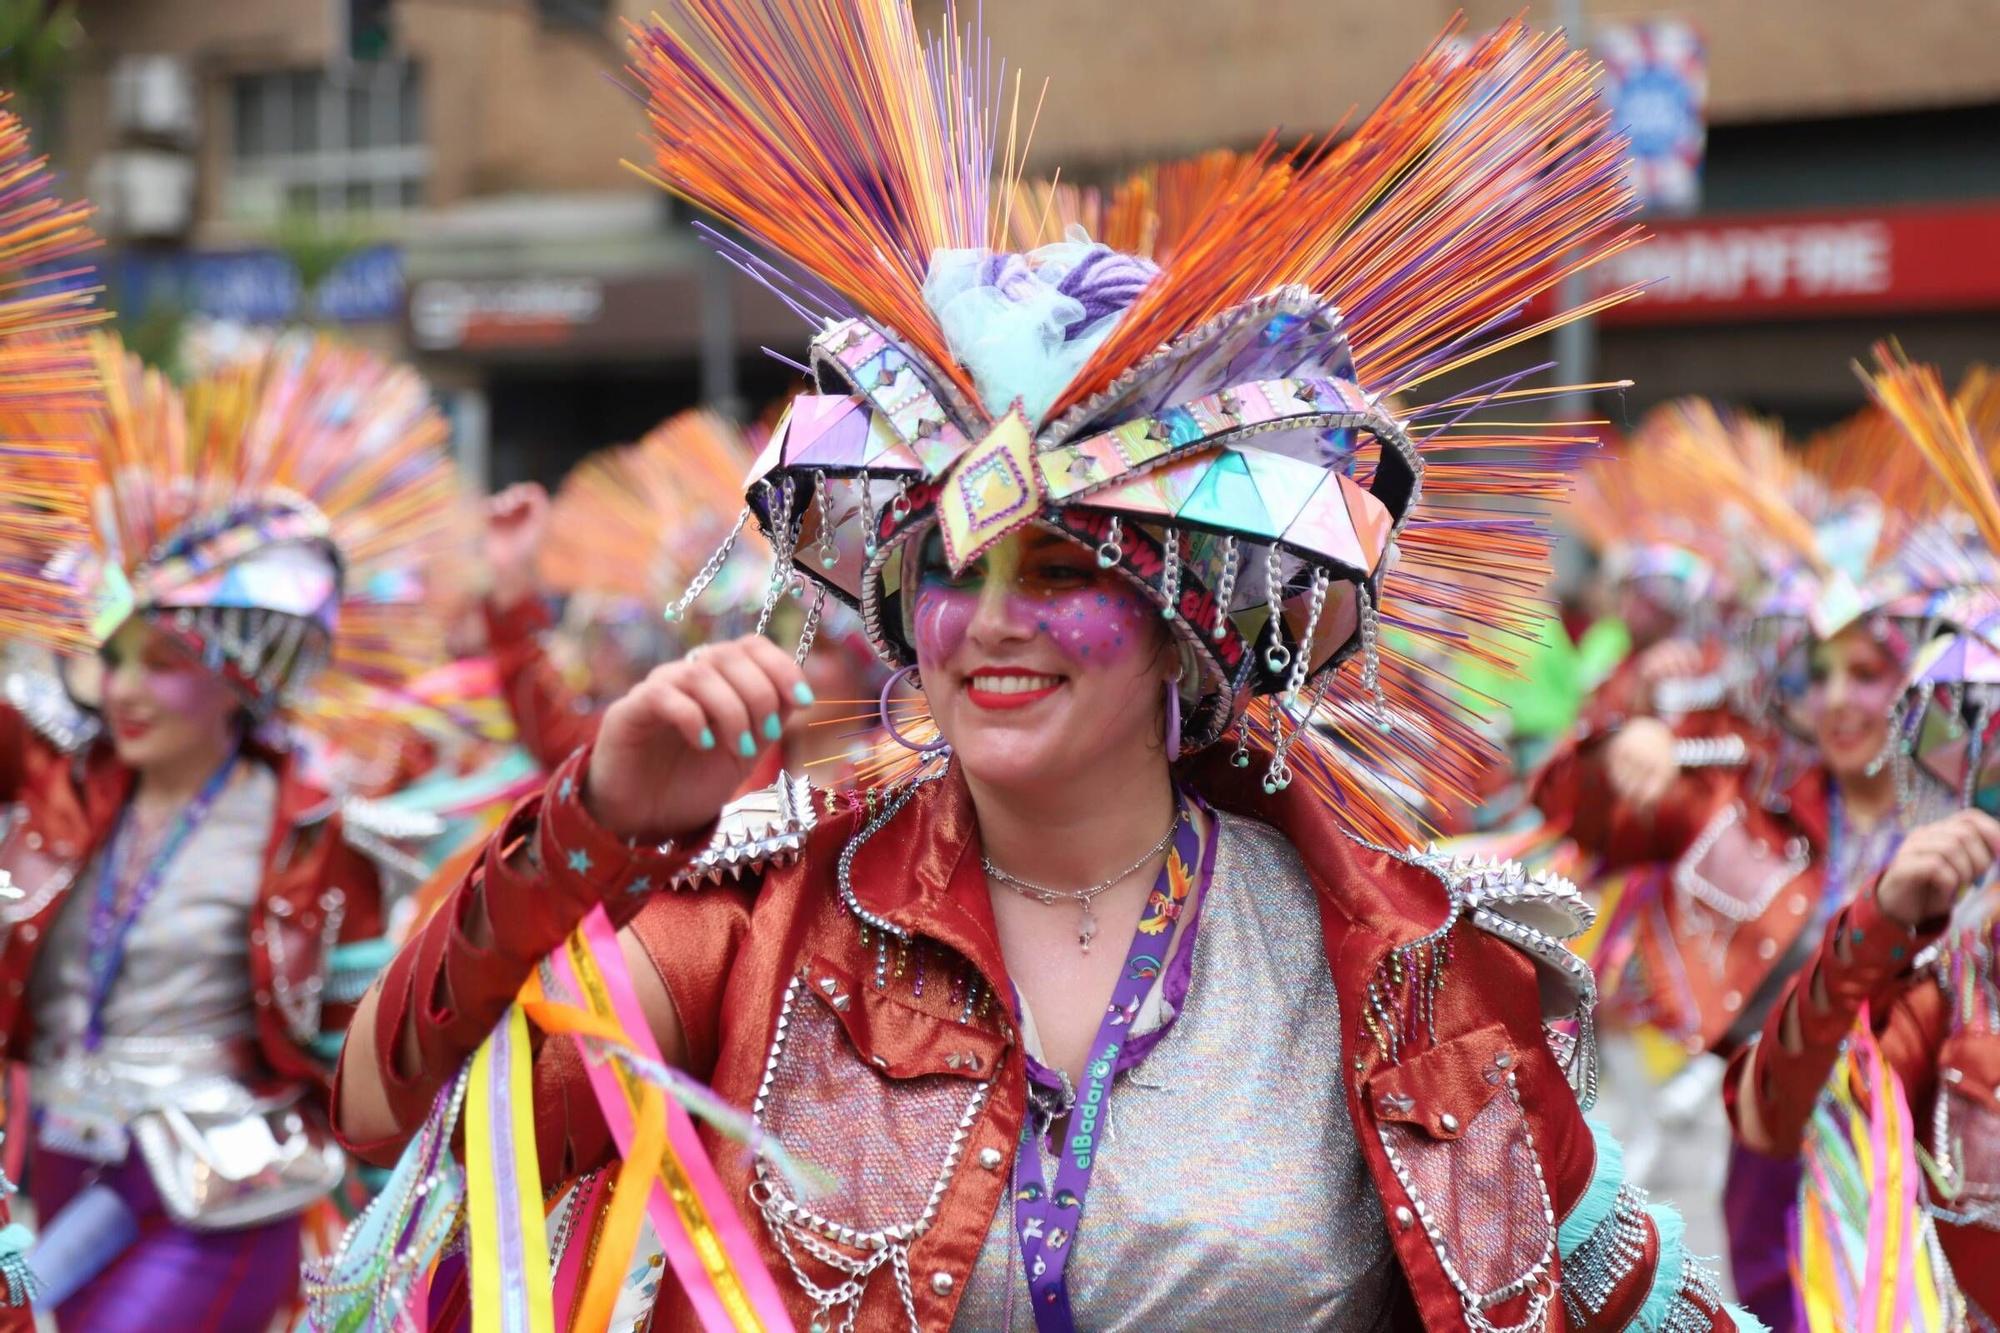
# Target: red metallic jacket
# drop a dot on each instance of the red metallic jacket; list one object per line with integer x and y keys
{"x": 59, "y": 808}
{"x": 551, "y": 718}
{"x": 1459, "y": 1099}
{"x": 1737, "y": 884}
{"x": 1865, "y": 958}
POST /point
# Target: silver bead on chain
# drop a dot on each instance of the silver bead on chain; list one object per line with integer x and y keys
{"x": 1170, "y": 577}
{"x": 1302, "y": 660}
{"x": 706, "y": 575}
{"x": 1371, "y": 654}
{"x": 1225, "y": 588}
{"x": 811, "y": 630}
{"x": 868, "y": 523}
{"x": 1278, "y": 774}
{"x": 829, "y": 549}
{"x": 1276, "y": 657}
{"x": 782, "y": 539}
{"x": 1112, "y": 549}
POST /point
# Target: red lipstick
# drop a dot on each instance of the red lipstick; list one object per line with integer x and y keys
{"x": 1034, "y": 687}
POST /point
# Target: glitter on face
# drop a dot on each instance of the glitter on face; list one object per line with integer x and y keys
{"x": 1051, "y": 587}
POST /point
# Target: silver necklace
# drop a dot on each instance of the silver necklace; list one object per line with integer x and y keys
{"x": 1086, "y": 928}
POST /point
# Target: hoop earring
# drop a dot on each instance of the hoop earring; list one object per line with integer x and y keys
{"x": 888, "y": 725}
{"x": 1173, "y": 718}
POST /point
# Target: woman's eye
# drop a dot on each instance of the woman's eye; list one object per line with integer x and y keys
{"x": 942, "y": 577}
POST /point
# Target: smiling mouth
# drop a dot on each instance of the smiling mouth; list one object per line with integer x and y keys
{"x": 1010, "y": 689}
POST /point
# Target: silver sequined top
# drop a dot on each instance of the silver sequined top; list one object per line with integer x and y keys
{"x": 1229, "y": 1190}
{"x": 187, "y": 963}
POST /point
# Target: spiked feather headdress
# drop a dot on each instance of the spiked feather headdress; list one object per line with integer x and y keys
{"x": 634, "y": 525}
{"x": 1222, "y": 433}
{"x": 50, "y": 392}
{"x": 278, "y": 514}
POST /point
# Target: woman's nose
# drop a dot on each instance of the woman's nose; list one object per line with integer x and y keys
{"x": 998, "y": 615}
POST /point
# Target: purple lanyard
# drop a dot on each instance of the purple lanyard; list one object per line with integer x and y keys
{"x": 1047, "y": 1220}
{"x": 110, "y": 920}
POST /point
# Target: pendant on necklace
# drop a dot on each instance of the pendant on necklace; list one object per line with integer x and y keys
{"x": 1086, "y": 929}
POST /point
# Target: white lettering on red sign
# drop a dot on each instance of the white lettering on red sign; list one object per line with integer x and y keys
{"x": 1732, "y": 265}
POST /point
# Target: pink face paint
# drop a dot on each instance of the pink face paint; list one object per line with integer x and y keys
{"x": 944, "y": 613}
{"x": 1098, "y": 626}
{"x": 185, "y": 690}
{"x": 1091, "y": 617}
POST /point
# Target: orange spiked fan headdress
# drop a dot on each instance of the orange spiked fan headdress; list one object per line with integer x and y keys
{"x": 278, "y": 515}
{"x": 50, "y": 391}
{"x": 1217, "y": 426}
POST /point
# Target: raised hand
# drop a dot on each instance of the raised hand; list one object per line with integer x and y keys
{"x": 1669, "y": 659}
{"x": 673, "y": 751}
{"x": 1935, "y": 864}
{"x": 1640, "y": 763}
{"x": 517, "y": 522}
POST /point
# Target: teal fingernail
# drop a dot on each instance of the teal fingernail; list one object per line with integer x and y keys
{"x": 773, "y": 728}
{"x": 707, "y": 739}
{"x": 804, "y": 694}
{"x": 748, "y": 744}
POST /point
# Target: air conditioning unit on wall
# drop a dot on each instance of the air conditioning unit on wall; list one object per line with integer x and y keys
{"x": 144, "y": 193}
{"x": 153, "y": 97}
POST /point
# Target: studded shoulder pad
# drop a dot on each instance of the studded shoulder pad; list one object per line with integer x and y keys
{"x": 389, "y": 836}
{"x": 759, "y": 829}
{"x": 1538, "y": 913}
{"x": 43, "y": 703}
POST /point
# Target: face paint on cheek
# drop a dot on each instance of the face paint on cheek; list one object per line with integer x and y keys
{"x": 181, "y": 690}
{"x": 943, "y": 615}
{"x": 1094, "y": 627}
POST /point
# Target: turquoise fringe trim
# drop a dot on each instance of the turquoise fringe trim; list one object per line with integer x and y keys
{"x": 22, "y": 1287}
{"x": 1606, "y": 1179}
{"x": 1594, "y": 1209}
{"x": 1667, "y": 1272}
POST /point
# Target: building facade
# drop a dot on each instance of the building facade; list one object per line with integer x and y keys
{"x": 445, "y": 178}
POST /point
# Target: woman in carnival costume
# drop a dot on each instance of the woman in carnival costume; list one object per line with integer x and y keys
{"x": 1918, "y": 975}
{"x": 1665, "y": 520}
{"x": 49, "y": 390}
{"x": 1681, "y": 562}
{"x": 1105, "y": 986}
{"x": 176, "y": 960}
{"x": 1753, "y": 856}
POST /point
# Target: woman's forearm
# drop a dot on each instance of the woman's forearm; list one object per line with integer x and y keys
{"x": 540, "y": 873}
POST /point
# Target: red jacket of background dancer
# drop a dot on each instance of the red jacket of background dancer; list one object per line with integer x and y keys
{"x": 1865, "y": 957}
{"x": 551, "y": 718}
{"x": 58, "y": 809}
{"x": 1739, "y": 881}
{"x": 729, "y": 956}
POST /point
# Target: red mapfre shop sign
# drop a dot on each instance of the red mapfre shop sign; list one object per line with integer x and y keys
{"x": 1807, "y": 265}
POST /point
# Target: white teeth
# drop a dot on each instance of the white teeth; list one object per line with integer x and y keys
{"x": 1014, "y": 684}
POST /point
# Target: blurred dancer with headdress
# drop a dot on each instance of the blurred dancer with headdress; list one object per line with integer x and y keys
{"x": 50, "y": 390}
{"x": 1913, "y": 963}
{"x": 1746, "y": 854}
{"x": 1126, "y": 522}
{"x": 629, "y": 528}
{"x": 174, "y": 962}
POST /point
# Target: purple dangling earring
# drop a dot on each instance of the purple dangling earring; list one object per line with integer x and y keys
{"x": 882, "y": 706}
{"x": 1174, "y": 718}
